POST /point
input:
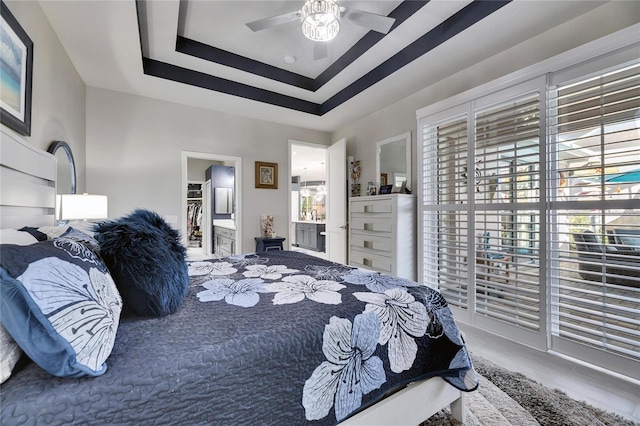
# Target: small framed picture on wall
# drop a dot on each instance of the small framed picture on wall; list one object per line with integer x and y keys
{"x": 266, "y": 175}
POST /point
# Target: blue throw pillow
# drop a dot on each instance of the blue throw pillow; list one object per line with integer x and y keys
{"x": 60, "y": 305}
{"x": 147, "y": 262}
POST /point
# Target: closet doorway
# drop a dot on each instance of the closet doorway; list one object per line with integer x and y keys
{"x": 203, "y": 177}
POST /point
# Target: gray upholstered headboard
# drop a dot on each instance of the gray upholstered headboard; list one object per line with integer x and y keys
{"x": 27, "y": 183}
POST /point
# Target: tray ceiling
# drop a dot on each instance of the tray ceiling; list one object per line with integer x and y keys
{"x": 201, "y": 53}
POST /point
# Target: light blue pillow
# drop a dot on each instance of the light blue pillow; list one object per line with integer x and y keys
{"x": 60, "y": 305}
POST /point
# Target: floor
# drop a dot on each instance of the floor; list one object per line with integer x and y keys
{"x": 580, "y": 382}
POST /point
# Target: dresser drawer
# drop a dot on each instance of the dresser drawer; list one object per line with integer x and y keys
{"x": 371, "y": 224}
{"x": 372, "y": 206}
{"x": 368, "y": 241}
{"x": 370, "y": 260}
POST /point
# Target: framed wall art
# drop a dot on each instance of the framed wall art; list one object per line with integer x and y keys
{"x": 266, "y": 175}
{"x": 16, "y": 64}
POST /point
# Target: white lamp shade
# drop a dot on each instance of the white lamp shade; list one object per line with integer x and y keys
{"x": 83, "y": 207}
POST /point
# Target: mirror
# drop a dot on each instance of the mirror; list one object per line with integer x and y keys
{"x": 393, "y": 161}
{"x": 65, "y": 173}
{"x": 223, "y": 200}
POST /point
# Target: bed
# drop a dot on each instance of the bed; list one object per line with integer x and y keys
{"x": 259, "y": 338}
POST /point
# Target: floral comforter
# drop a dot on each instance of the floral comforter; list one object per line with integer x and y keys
{"x": 349, "y": 336}
{"x": 272, "y": 338}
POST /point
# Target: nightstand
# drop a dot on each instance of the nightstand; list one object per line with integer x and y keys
{"x": 266, "y": 243}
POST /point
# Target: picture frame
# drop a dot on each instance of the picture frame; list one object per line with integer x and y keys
{"x": 386, "y": 189}
{"x": 383, "y": 179}
{"x": 16, "y": 62}
{"x": 266, "y": 175}
{"x": 400, "y": 189}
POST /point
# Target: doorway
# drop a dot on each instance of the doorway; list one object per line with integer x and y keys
{"x": 308, "y": 176}
{"x": 317, "y": 214}
{"x": 199, "y": 219}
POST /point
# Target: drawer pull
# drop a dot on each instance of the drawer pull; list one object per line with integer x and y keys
{"x": 367, "y": 244}
{"x": 368, "y": 209}
{"x": 367, "y": 262}
{"x": 368, "y": 226}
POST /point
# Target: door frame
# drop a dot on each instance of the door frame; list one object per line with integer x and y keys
{"x": 292, "y": 143}
{"x": 237, "y": 164}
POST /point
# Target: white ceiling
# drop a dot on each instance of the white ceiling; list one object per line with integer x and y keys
{"x": 107, "y": 40}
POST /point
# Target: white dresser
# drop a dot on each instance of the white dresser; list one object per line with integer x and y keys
{"x": 382, "y": 234}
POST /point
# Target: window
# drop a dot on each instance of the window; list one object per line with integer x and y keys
{"x": 595, "y": 214}
{"x": 531, "y": 213}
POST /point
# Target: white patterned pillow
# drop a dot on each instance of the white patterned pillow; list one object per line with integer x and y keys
{"x": 60, "y": 304}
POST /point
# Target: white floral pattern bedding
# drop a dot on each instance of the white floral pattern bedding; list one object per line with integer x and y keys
{"x": 271, "y": 338}
{"x": 386, "y": 314}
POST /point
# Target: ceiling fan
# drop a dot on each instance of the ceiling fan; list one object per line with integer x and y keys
{"x": 320, "y": 21}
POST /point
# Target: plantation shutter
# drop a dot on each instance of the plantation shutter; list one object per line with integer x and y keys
{"x": 445, "y": 210}
{"x": 595, "y": 214}
{"x": 507, "y": 212}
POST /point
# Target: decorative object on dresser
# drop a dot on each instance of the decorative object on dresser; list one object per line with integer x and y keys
{"x": 355, "y": 176}
{"x": 386, "y": 189}
{"x": 382, "y": 234}
{"x": 266, "y": 175}
{"x": 17, "y": 74}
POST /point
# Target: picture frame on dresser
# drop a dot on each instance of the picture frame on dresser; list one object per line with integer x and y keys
{"x": 16, "y": 62}
{"x": 266, "y": 175}
{"x": 386, "y": 189}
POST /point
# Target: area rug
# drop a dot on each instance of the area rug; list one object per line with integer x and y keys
{"x": 505, "y": 398}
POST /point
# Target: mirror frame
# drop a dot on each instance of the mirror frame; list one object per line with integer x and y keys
{"x": 406, "y": 137}
{"x": 53, "y": 148}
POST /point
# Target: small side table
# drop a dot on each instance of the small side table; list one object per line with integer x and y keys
{"x": 266, "y": 243}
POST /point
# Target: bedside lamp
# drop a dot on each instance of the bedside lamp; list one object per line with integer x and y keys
{"x": 83, "y": 207}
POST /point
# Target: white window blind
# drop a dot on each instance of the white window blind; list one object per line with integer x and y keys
{"x": 508, "y": 211}
{"x": 445, "y": 160}
{"x": 531, "y": 213}
{"x": 595, "y": 214}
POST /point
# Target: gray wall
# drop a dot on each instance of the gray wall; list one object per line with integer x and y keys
{"x": 400, "y": 117}
{"x": 58, "y": 103}
{"x": 135, "y": 144}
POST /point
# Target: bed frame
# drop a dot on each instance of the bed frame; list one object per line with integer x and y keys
{"x": 28, "y": 196}
{"x": 27, "y": 183}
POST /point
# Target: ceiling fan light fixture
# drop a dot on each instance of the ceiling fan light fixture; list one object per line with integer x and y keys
{"x": 320, "y": 20}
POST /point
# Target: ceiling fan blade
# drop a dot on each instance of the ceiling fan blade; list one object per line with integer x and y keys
{"x": 273, "y": 21}
{"x": 379, "y": 23}
{"x": 319, "y": 51}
